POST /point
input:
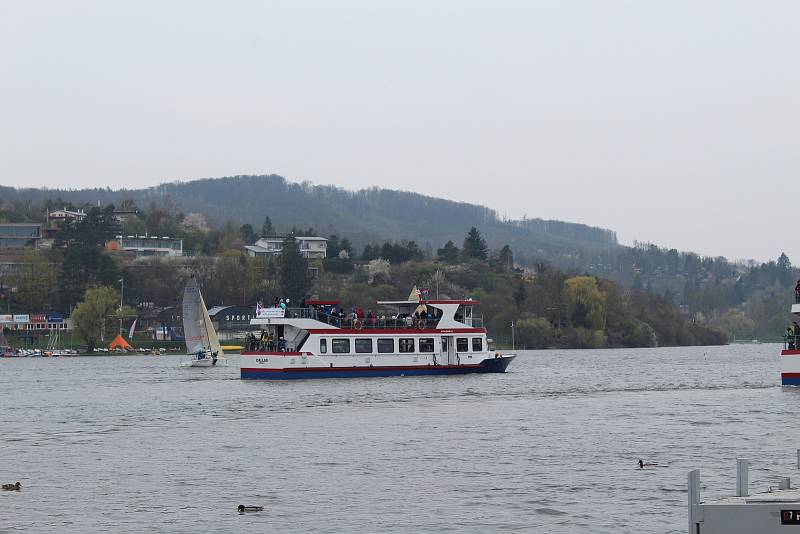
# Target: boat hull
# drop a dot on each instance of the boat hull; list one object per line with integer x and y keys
{"x": 790, "y": 367}
{"x": 488, "y": 365}
{"x": 205, "y": 362}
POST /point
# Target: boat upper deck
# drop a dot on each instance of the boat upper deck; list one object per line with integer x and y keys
{"x": 373, "y": 322}
{"x": 402, "y": 315}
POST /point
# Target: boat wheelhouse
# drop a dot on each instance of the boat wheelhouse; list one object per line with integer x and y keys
{"x": 408, "y": 337}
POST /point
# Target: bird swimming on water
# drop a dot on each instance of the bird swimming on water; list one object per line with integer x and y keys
{"x": 242, "y": 508}
{"x": 642, "y": 464}
{"x": 12, "y": 487}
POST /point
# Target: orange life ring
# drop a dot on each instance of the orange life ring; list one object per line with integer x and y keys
{"x": 357, "y": 325}
{"x": 421, "y": 324}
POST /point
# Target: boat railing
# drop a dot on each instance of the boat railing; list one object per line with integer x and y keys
{"x": 374, "y": 322}
{"x": 475, "y": 322}
{"x": 791, "y": 342}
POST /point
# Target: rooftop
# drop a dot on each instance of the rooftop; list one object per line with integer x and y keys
{"x": 297, "y": 237}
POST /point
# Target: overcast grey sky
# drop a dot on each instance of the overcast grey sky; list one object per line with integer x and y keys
{"x": 674, "y": 122}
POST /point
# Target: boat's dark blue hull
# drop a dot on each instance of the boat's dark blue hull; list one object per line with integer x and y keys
{"x": 489, "y": 365}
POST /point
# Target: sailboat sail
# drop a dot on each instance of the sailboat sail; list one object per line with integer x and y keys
{"x": 194, "y": 328}
{"x": 3, "y": 342}
{"x": 197, "y": 326}
{"x": 210, "y": 333}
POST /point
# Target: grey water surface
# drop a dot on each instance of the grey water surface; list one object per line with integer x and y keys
{"x": 138, "y": 444}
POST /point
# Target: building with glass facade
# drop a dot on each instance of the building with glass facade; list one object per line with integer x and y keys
{"x": 151, "y": 245}
{"x": 20, "y": 235}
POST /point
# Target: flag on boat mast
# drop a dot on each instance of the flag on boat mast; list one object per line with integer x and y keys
{"x": 414, "y": 296}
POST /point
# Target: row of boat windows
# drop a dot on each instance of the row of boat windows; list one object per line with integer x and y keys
{"x": 404, "y": 345}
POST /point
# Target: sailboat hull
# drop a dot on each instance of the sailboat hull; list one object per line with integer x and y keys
{"x": 205, "y": 362}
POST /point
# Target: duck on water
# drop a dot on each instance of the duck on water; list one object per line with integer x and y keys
{"x": 242, "y": 508}
{"x": 643, "y": 464}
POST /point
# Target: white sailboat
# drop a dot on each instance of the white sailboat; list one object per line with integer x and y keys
{"x": 201, "y": 338}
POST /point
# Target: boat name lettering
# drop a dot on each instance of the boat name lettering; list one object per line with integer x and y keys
{"x": 262, "y": 360}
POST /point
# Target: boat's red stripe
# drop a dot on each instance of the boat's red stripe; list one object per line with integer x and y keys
{"x": 272, "y": 353}
{"x": 379, "y": 368}
{"x": 790, "y": 352}
{"x": 465, "y": 302}
{"x": 396, "y": 331}
{"x": 790, "y": 375}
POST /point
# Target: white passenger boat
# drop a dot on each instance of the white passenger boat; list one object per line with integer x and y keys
{"x": 201, "y": 338}
{"x": 790, "y": 355}
{"x": 402, "y": 338}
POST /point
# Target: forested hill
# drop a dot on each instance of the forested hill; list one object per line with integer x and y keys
{"x": 745, "y": 300}
{"x": 365, "y": 216}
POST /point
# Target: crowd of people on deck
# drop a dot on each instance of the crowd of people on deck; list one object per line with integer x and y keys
{"x": 265, "y": 342}
{"x": 357, "y": 318}
{"x": 793, "y": 331}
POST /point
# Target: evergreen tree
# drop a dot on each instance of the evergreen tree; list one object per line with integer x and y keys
{"x": 266, "y": 227}
{"x": 293, "y": 272}
{"x": 669, "y": 296}
{"x": 333, "y": 246}
{"x": 95, "y": 230}
{"x": 345, "y": 245}
{"x": 387, "y": 252}
{"x": 475, "y": 246}
{"x": 505, "y": 260}
{"x": 413, "y": 251}
{"x": 784, "y": 264}
{"x": 784, "y": 269}
{"x": 84, "y": 267}
{"x": 637, "y": 283}
{"x": 369, "y": 253}
{"x": 448, "y": 253}
{"x": 519, "y": 293}
{"x": 247, "y": 234}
